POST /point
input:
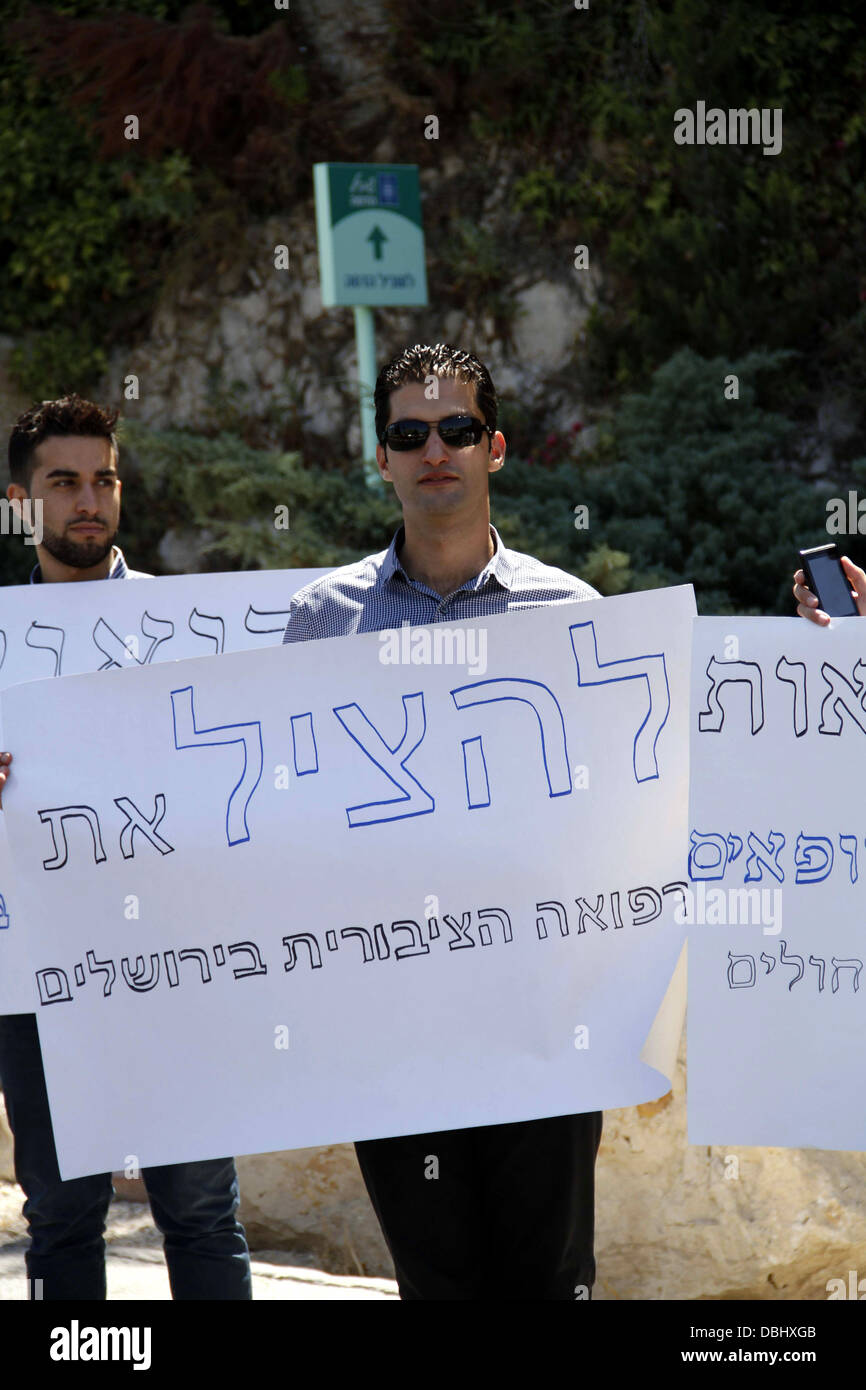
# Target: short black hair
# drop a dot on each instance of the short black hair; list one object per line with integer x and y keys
{"x": 68, "y": 416}
{"x": 441, "y": 360}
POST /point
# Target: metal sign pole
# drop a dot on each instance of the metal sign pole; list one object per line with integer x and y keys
{"x": 365, "y": 343}
{"x": 371, "y": 253}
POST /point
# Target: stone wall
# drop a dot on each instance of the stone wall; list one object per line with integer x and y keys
{"x": 673, "y": 1220}
{"x": 681, "y": 1221}
{"x": 261, "y": 332}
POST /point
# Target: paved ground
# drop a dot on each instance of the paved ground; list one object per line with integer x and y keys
{"x": 136, "y": 1268}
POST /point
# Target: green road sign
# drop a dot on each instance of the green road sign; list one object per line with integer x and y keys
{"x": 371, "y": 241}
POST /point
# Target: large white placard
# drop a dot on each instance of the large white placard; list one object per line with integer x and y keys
{"x": 305, "y": 895}
{"x": 51, "y": 630}
{"x": 777, "y": 999}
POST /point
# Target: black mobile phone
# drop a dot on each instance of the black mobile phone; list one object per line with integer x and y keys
{"x": 826, "y": 578}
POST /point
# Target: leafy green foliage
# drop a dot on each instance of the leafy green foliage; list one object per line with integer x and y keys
{"x": 684, "y": 486}
{"x": 16, "y": 560}
{"x": 476, "y": 270}
{"x": 722, "y": 248}
{"x": 92, "y": 225}
{"x": 510, "y": 65}
{"x": 228, "y": 491}
{"x": 71, "y": 271}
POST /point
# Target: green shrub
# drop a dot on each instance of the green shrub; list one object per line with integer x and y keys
{"x": 683, "y": 487}
{"x": 16, "y": 560}
{"x": 228, "y": 490}
{"x": 92, "y": 226}
{"x": 71, "y": 266}
{"x": 721, "y": 248}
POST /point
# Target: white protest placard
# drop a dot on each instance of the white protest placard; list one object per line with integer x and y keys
{"x": 301, "y": 896}
{"x": 49, "y": 630}
{"x": 777, "y": 998}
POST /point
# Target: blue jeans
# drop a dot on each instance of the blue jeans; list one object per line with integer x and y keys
{"x": 193, "y": 1204}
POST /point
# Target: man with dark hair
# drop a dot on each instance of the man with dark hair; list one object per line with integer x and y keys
{"x": 63, "y": 455}
{"x": 52, "y": 448}
{"x": 429, "y": 365}
{"x": 511, "y": 1213}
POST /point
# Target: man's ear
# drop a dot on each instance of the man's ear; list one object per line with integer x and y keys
{"x": 382, "y": 460}
{"x": 16, "y": 492}
{"x": 496, "y": 459}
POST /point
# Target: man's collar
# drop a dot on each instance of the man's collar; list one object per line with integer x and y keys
{"x": 500, "y": 566}
{"x": 118, "y": 567}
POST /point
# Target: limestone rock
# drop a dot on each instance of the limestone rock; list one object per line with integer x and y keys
{"x": 181, "y": 550}
{"x": 549, "y": 317}
{"x": 322, "y": 406}
{"x": 7, "y": 1169}
{"x": 680, "y": 1221}
{"x": 350, "y": 45}
{"x": 673, "y": 1220}
{"x": 313, "y": 1200}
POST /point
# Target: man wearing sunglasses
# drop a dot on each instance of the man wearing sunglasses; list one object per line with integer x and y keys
{"x": 511, "y": 1212}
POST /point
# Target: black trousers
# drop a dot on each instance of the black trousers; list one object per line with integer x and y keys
{"x": 498, "y": 1212}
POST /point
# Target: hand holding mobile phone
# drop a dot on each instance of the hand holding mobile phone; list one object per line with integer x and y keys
{"x": 828, "y": 581}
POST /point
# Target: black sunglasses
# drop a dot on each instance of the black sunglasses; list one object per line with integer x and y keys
{"x": 457, "y": 431}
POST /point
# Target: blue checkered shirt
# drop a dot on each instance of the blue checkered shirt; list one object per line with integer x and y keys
{"x": 377, "y": 593}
